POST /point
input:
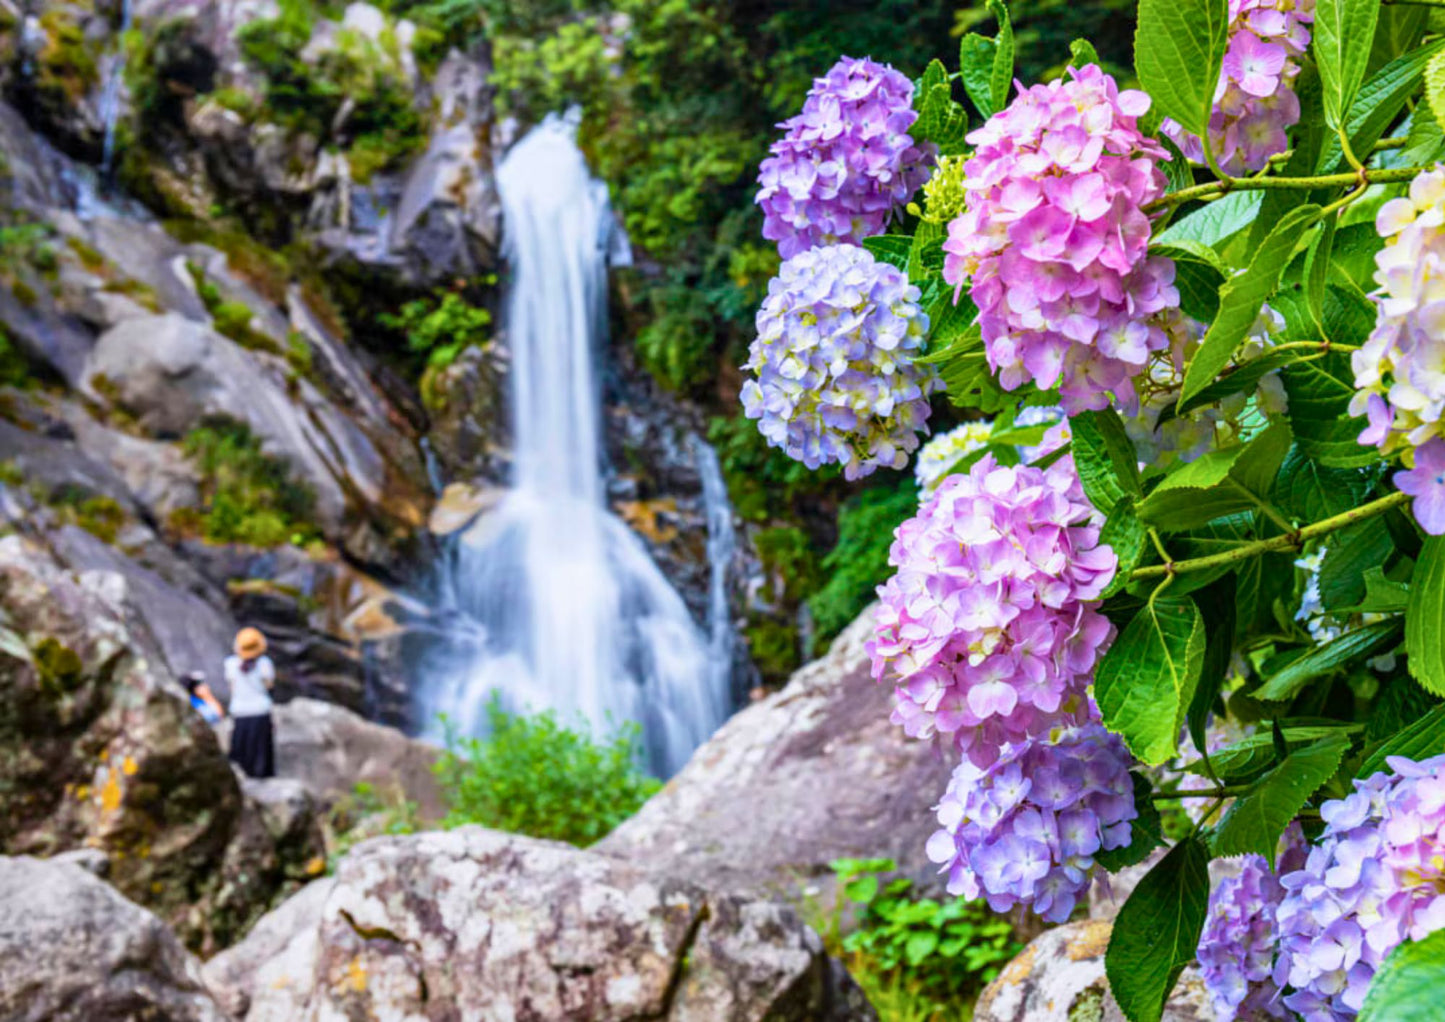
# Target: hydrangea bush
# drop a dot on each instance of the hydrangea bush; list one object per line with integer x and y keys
{"x": 1193, "y": 509}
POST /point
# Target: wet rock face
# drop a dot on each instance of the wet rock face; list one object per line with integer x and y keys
{"x": 100, "y": 749}
{"x": 809, "y": 774}
{"x": 473, "y": 923}
{"x": 72, "y": 949}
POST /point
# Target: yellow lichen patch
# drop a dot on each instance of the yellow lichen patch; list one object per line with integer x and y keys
{"x": 1016, "y": 971}
{"x": 110, "y": 792}
{"x": 128, "y": 767}
{"x": 1092, "y": 941}
{"x": 643, "y": 516}
{"x": 315, "y": 865}
{"x": 355, "y": 976}
{"x": 83, "y": 792}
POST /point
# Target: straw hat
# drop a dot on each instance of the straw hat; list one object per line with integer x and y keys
{"x": 250, "y": 643}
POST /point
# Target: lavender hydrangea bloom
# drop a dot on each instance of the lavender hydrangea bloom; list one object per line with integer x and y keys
{"x": 846, "y": 163}
{"x": 1054, "y": 241}
{"x": 1400, "y": 370}
{"x": 1025, "y": 830}
{"x": 836, "y": 380}
{"x": 1375, "y": 878}
{"x": 1254, "y": 100}
{"x": 986, "y": 630}
{"x": 1236, "y": 949}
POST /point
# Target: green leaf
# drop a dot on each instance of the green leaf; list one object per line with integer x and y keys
{"x": 1082, "y": 53}
{"x": 1242, "y": 378}
{"x": 1407, "y": 987}
{"x": 1418, "y": 740}
{"x": 1176, "y": 169}
{"x": 1256, "y": 819}
{"x": 1352, "y": 552}
{"x": 1319, "y": 392}
{"x": 1178, "y": 48}
{"x": 1316, "y": 272}
{"x": 891, "y": 248}
{"x": 925, "y": 254}
{"x": 1215, "y": 223}
{"x": 920, "y": 946}
{"x": 1241, "y": 297}
{"x": 1309, "y": 492}
{"x": 862, "y": 889}
{"x": 1002, "y": 75}
{"x": 1379, "y": 102}
{"x": 1352, "y": 647}
{"x": 1157, "y": 931}
{"x": 1198, "y": 274}
{"x": 1126, "y": 535}
{"x": 1146, "y": 832}
{"x": 1247, "y": 757}
{"x": 1435, "y": 87}
{"x": 1222, "y": 482}
{"x": 1108, "y": 466}
{"x": 1425, "y": 617}
{"x": 1145, "y": 682}
{"x": 976, "y": 55}
{"x": 1344, "y": 31}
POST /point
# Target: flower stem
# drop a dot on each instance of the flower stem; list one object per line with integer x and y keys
{"x": 1287, "y": 541}
{"x": 1212, "y": 189}
{"x": 1220, "y": 791}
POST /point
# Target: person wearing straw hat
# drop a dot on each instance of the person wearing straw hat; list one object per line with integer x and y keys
{"x": 250, "y": 675}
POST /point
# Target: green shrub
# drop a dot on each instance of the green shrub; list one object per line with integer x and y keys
{"x": 248, "y": 496}
{"x": 533, "y": 775}
{"x": 231, "y": 319}
{"x": 15, "y": 368}
{"x": 368, "y": 811}
{"x": 763, "y": 482}
{"x": 858, "y": 564}
{"x": 441, "y": 327}
{"x": 921, "y": 958}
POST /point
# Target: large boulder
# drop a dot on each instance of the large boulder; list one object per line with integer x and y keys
{"x": 809, "y": 774}
{"x": 476, "y": 924}
{"x": 100, "y": 749}
{"x": 1059, "y": 977}
{"x": 72, "y": 949}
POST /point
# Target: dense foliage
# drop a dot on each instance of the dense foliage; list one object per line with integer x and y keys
{"x": 535, "y": 775}
{"x": 1189, "y": 545}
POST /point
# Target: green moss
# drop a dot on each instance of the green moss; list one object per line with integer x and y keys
{"x": 15, "y": 369}
{"x": 268, "y": 271}
{"x": 249, "y": 496}
{"x": 11, "y": 473}
{"x": 238, "y": 101}
{"x": 136, "y": 290}
{"x": 89, "y": 256}
{"x": 24, "y": 293}
{"x": 231, "y": 319}
{"x": 59, "y": 667}
{"x": 774, "y": 648}
{"x": 65, "y": 68}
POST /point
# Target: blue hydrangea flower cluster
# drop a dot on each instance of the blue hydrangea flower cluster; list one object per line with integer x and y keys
{"x": 846, "y": 163}
{"x": 1025, "y": 830}
{"x": 836, "y": 380}
{"x": 1236, "y": 949}
{"x": 1375, "y": 878}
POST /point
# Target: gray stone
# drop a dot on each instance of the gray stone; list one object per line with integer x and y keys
{"x": 807, "y": 775}
{"x": 1060, "y": 977}
{"x": 72, "y": 949}
{"x": 472, "y": 923}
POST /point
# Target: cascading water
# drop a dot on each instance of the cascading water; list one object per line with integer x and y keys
{"x": 561, "y": 606}
{"x": 721, "y": 548}
{"x": 110, "y": 97}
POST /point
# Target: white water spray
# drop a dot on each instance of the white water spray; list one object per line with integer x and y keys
{"x": 565, "y": 608}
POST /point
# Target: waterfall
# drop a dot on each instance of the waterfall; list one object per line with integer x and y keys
{"x": 564, "y": 607}
{"x": 110, "y": 96}
{"x": 721, "y": 548}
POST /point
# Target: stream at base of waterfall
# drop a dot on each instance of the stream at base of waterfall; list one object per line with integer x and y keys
{"x": 560, "y": 606}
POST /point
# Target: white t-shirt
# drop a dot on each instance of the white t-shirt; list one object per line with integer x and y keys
{"x": 250, "y": 696}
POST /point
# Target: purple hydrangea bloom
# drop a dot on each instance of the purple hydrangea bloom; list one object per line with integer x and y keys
{"x": 986, "y": 630}
{"x": 846, "y": 163}
{"x": 1254, "y": 101}
{"x": 1400, "y": 370}
{"x": 836, "y": 380}
{"x": 1025, "y": 830}
{"x": 1236, "y": 949}
{"x": 1375, "y": 878}
{"x": 1053, "y": 243}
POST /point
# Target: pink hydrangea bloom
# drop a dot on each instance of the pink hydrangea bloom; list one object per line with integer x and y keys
{"x": 1025, "y": 829}
{"x": 1374, "y": 879}
{"x": 1400, "y": 370}
{"x": 846, "y": 163}
{"x": 986, "y": 630}
{"x": 1254, "y": 102}
{"x": 1053, "y": 244}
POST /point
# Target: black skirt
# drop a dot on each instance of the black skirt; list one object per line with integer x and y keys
{"x": 253, "y": 745}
